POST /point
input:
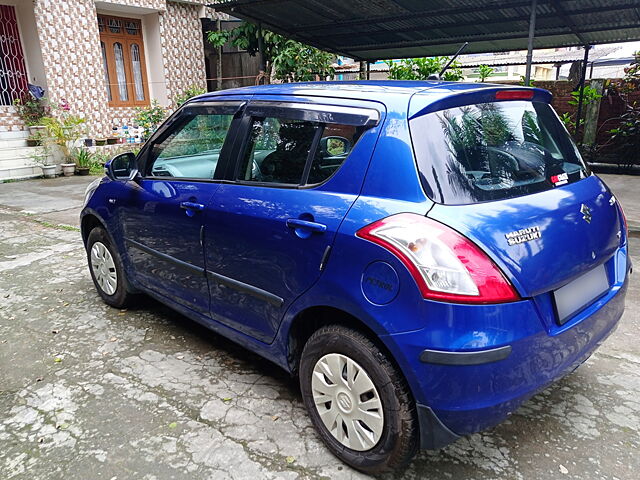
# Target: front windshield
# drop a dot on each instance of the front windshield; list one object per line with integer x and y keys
{"x": 492, "y": 151}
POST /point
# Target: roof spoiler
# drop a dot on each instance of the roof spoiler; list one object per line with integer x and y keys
{"x": 481, "y": 95}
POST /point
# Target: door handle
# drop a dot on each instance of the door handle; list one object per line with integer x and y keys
{"x": 191, "y": 208}
{"x": 305, "y": 228}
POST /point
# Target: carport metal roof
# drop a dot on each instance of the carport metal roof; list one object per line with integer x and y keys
{"x": 383, "y": 29}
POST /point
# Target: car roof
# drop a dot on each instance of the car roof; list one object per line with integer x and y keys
{"x": 353, "y": 89}
{"x": 389, "y": 92}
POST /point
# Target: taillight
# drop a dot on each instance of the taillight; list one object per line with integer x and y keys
{"x": 514, "y": 94}
{"x": 445, "y": 265}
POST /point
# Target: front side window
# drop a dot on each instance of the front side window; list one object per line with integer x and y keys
{"x": 123, "y": 60}
{"x": 294, "y": 152}
{"x": 192, "y": 150}
{"x": 493, "y": 151}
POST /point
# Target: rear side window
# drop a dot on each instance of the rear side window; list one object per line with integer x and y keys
{"x": 295, "y": 152}
{"x": 493, "y": 151}
{"x": 277, "y": 151}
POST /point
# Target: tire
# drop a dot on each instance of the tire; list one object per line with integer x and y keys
{"x": 116, "y": 291}
{"x": 385, "y": 448}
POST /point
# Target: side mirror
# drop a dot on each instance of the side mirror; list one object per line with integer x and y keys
{"x": 122, "y": 167}
{"x": 335, "y": 146}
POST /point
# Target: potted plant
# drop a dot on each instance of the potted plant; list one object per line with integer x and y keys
{"x": 63, "y": 134}
{"x": 101, "y": 142}
{"x": 83, "y": 160}
{"x": 34, "y": 140}
{"x": 32, "y": 110}
{"x": 41, "y": 157}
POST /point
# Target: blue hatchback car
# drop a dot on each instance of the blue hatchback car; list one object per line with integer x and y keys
{"x": 423, "y": 256}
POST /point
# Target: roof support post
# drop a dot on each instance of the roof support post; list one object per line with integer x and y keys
{"x": 581, "y": 88}
{"x": 532, "y": 30}
{"x": 362, "y": 75}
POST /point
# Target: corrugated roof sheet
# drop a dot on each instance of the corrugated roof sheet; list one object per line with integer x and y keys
{"x": 379, "y": 29}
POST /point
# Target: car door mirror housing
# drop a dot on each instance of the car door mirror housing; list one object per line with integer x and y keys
{"x": 335, "y": 146}
{"x": 122, "y": 167}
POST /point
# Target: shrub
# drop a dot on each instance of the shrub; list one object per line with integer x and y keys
{"x": 32, "y": 110}
{"x": 150, "y": 118}
{"x": 626, "y": 138}
{"x": 188, "y": 93}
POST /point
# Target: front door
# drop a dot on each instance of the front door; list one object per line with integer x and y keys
{"x": 270, "y": 226}
{"x": 162, "y": 215}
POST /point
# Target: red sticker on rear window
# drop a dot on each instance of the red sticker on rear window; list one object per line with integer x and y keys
{"x": 560, "y": 179}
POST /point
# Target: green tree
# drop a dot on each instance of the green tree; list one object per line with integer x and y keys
{"x": 421, "y": 68}
{"x": 484, "y": 72}
{"x": 287, "y": 60}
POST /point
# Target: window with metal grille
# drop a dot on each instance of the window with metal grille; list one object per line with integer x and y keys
{"x": 13, "y": 72}
{"x": 122, "y": 49}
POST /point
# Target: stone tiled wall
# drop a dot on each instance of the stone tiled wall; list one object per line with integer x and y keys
{"x": 69, "y": 39}
{"x": 72, "y": 60}
{"x": 182, "y": 49}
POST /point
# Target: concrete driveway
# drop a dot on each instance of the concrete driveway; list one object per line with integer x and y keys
{"x": 90, "y": 392}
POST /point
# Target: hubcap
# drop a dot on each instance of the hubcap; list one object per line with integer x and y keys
{"x": 104, "y": 268}
{"x": 347, "y": 402}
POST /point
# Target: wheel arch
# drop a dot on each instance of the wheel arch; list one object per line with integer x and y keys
{"x": 88, "y": 222}
{"x": 309, "y": 320}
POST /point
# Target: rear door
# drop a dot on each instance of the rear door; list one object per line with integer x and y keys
{"x": 507, "y": 175}
{"x": 270, "y": 227}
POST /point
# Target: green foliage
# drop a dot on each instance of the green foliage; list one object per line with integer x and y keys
{"x": 626, "y": 137}
{"x": 64, "y": 132}
{"x": 485, "y": 71}
{"x": 532, "y": 83}
{"x": 83, "y": 157}
{"x": 297, "y": 62}
{"x": 567, "y": 119}
{"x": 632, "y": 72}
{"x": 32, "y": 110}
{"x": 150, "y": 118}
{"x": 288, "y": 60}
{"x": 188, "y": 93}
{"x": 590, "y": 96}
{"x": 421, "y": 68}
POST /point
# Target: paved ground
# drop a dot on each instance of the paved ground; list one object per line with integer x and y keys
{"x": 89, "y": 392}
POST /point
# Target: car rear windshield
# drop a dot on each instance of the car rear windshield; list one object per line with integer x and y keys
{"x": 493, "y": 151}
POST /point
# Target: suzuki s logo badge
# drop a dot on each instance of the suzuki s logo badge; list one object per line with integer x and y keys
{"x": 586, "y": 213}
{"x": 523, "y": 235}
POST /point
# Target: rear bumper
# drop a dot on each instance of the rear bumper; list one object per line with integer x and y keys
{"x": 519, "y": 356}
